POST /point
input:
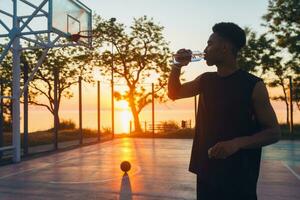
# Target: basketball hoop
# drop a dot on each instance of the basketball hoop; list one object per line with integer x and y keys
{"x": 82, "y": 34}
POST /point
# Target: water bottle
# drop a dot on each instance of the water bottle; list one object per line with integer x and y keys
{"x": 195, "y": 57}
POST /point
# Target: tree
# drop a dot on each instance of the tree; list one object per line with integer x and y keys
{"x": 275, "y": 54}
{"x": 6, "y": 79}
{"x": 67, "y": 64}
{"x": 138, "y": 55}
{"x": 264, "y": 58}
{"x": 283, "y": 23}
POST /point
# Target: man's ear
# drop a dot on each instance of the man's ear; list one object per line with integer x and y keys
{"x": 227, "y": 47}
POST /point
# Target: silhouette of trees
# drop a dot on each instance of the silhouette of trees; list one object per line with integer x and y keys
{"x": 275, "y": 54}
{"x": 140, "y": 52}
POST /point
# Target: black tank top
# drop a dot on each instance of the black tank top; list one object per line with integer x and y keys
{"x": 225, "y": 111}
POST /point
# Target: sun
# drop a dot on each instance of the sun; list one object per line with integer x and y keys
{"x": 123, "y": 105}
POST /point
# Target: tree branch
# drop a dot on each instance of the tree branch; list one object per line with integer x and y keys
{"x": 41, "y": 104}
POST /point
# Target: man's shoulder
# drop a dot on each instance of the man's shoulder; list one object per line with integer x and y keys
{"x": 204, "y": 76}
{"x": 207, "y": 75}
{"x": 250, "y": 77}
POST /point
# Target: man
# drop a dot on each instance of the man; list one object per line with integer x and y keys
{"x": 234, "y": 119}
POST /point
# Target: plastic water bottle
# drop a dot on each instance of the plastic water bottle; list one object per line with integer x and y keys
{"x": 195, "y": 57}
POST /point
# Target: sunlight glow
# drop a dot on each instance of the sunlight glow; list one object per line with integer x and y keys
{"x": 122, "y": 105}
{"x": 125, "y": 118}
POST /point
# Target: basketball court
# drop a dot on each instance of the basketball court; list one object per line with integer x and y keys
{"x": 159, "y": 170}
{"x": 159, "y": 166}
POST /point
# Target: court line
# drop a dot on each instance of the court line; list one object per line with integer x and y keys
{"x": 98, "y": 181}
{"x": 38, "y": 168}
{"x": 291, "y": 170}
{"x": 32, "y": 169}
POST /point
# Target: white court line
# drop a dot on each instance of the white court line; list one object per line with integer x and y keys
{"x": 292, "y": 171}
{"x": 38, "y": 168}
{"x": 32, "y": 169}
{"x": 97, "y": 181}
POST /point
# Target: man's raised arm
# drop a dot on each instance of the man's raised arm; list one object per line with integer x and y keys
{"x": 176, "y": 90}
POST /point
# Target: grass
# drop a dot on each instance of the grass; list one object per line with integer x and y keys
{"x": 177, "y": 134}
{"x": 46, "y": 137}
{"x": 189, "y": 133}
{"x": 286, "y": 135}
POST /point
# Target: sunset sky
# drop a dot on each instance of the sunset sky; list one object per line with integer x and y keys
{"x": 187, "y": 25}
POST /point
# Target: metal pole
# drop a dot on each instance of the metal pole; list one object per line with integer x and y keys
{"x": 195, "y": 105}
{"x": 25, "y": 133}
{"x": 130, "y": 126}
{"x": 112, "y": 20}
{"x": 291, "y": 105}
{"x": 16, "y": 90}
{"x": 80, "y": 111}
{"x": 153, "y": 110}
{"x": 56, "y": 123}
{"x": 112, "y": 99}
{"x": 98, "y": 110}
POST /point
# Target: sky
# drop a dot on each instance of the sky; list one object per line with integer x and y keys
{"x": 187, "y": 24}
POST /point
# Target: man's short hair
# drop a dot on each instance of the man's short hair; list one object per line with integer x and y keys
{"x": 232, "y": 33}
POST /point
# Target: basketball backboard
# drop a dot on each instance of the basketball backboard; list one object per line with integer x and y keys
{"x": 71, "y": 17}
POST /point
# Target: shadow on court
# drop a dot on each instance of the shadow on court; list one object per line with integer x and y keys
{"x": 159, "y": 170}
{"x": 125, "y": 191}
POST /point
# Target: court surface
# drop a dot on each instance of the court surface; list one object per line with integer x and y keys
{"x": 159, "y": 171}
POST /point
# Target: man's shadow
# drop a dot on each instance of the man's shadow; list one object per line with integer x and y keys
{"x": 125, "y": 191}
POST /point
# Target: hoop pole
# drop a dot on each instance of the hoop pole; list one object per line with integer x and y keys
{"x": 16, "y": 91}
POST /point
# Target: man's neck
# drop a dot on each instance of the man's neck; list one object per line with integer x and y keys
{"x": 227, "y": 68}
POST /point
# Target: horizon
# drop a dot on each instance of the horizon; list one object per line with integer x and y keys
{"x": 190, "y": 31}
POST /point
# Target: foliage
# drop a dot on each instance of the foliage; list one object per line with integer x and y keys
{"x": 67, "y": 124}
{"x": 138, "y": 54}
{"x": 169, "y": 125}
{"x": 283, "y": 23}
{"x": 67, "y": 64}
{"x": 275, "y": 54}
{"x": 6, "y": 83}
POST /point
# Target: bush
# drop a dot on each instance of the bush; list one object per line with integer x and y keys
{"x": 7, "y": 125}
{"x": 64, "y": 125}
{"x": 106, "y": 130}
{"x": 67, "y": 124}
{"x": 169, "y": 126}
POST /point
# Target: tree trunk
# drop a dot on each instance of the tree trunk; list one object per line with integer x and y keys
{"x": 136, "y": 119}
{"x": 286, "y": 102}
{"x": 287, "y": 113}
{"x": 135, "y": 114}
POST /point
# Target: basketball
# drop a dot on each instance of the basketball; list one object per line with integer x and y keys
{"x": 125, "y": 166}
